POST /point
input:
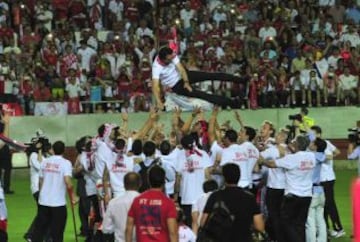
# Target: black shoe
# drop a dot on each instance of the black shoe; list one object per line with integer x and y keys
{"x": 9, "y": 192}
{"x": 27, "y": 238}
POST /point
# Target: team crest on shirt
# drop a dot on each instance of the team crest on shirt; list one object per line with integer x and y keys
{"x": 306, "y": 165}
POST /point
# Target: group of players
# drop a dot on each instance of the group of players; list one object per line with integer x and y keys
{"x": 292, "y": 179}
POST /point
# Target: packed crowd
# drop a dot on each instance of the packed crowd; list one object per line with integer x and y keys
{"x": 126, "y": 178}
{"x": 291, "y": 53}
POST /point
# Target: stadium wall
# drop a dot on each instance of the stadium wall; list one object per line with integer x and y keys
{"x": 334, "y": 121}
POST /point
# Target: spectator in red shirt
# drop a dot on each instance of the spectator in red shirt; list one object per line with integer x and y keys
{"x": 153, "y": 213}
{"x": 42, "y": 93}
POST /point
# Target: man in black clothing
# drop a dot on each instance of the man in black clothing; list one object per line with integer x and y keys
{"x": 242, "y": 205}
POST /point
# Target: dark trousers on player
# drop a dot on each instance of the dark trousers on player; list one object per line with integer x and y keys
{"x": 294, "y": 212}
{"x": 330, "y": 205}
{"x": 274, "y": 199}
{"x": 30, "y": 231}
{"x": 53, "y": 218}
{"x": 5, "y": 167}
{"x": 199, "y": 76}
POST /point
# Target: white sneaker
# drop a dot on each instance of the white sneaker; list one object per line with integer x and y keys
{"x": 337, "y": 234}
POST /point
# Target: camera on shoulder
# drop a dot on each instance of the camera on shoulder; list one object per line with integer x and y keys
{"x": 354, "y": 136}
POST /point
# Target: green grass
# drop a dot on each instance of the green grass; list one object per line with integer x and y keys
{"x": 21, "y": 206}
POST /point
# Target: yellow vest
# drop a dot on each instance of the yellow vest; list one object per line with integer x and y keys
{"x": 308, "y": 121}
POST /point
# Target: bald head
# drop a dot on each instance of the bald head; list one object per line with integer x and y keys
{"x": 132, "y": 181}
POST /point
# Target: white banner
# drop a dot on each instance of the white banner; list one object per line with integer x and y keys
{"x": 50, "y": 108}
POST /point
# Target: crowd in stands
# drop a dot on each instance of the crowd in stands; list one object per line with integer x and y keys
{"x": 292, "y": 53}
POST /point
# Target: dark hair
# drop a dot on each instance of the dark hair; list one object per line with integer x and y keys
{"x": 180, "y": 216}
{"x": 231, "y": 135}
{"x": 187, "y": 142}
{"x": 320, "y": 144}
{"x": 149, "y": 148}
{"x": 302, "y": 142}
{"x": 251, "y": 132}
{"x": 132, "y": 181}
{"x": 156, "y": 176}
{"x": 165, "y": 51}
{"x": 80, "y": 144}
{"x": 304, "y": 110}
{"x": 136, "y": 147}
{"x": 165, "y": 147}
{"x": 120, "y": 144}
{"x": 58, "y": 147}
{"x": 210, "y": 185}
{"x": 231, "y": 173}
{"x": 101, "y": 130}
{"x": 317, "y": 129}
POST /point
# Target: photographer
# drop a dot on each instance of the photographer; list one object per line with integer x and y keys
{"x": 353, "y": 151}
{"x": 38, "y": 152}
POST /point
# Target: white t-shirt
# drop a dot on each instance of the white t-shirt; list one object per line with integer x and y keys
{"x": 103, "y": 153}
{"x": 186, "y": 16}
{"x": 116, "y": 215}
{"x": 253, "y": 156}
{"x": 199, "y": 205}
{"x": 53, "y": 171}
{"x": 299, "y": 169}
{"x": 192, "y": 179}
{"x": 86, "y": 55}
{"x": 167, "y": 74}
{"x": 238, "y": 154}
{"x": 73, "y": 90}
{"x": 117, "y": 172}
{"x": 34, "y": 172}
{"x": 327, "y": 170}
{"x": 89, "y": 176}
{"x": 276, "y": 176}
{"x": 186, "y": 234}
{"x": 170, "y": 161}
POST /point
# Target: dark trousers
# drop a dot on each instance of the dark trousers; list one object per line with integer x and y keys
{"x": 91, "y": 201}
{"x": 5, "y": 167}
{"x": 330, "y": 205}
{"x": 30, "y": 231}
{"x": 199, "y": 76}
{"x": 274, "y": 199}
{"x": 187, "y": 212}
{"x": 294, "y": 212}
{"x": 53, "y": 218}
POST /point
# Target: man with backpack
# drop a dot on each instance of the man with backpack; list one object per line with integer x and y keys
{"x": 142, "y": 168}
{"x": 229, "y": 214}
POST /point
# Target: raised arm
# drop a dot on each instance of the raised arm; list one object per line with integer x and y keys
{"x": 147, "y": 126}
{"x": 187, "y": 125}
{"x": 157, "y": 93}
{"x": 212, "y": 124}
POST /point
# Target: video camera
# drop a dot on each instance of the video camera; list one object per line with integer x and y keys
{"x": 354, "y": 136}
{"x": 297, "y": 117}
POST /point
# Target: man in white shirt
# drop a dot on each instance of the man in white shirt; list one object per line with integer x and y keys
{"x": 191, "y": 167}
{"x": 238, "y": 154}
{"x": 118, "y": 208}
{"x": 55, "y": 182}
{"x": 246, "y": 137}
{"x": 116, "y": 7}
{"x": 267, "y": 32}
{"x": 169, "y": 158}
{"x": 275, "y": 185}
{"x": 85, "y": 53}
{"x": 186, "y": 14}
{"x": 327, "y": 179}
{"x": 353, "y": 152}
{"x": 170, "y": 73}
{"x": 298, "y": 190}
{"x": 347, "y": 86}
{"x": 116, "y": 169}
{"x": 198, "y": 207}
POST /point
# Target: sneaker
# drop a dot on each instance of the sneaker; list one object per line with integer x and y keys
{"x": 339, "y": 233}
